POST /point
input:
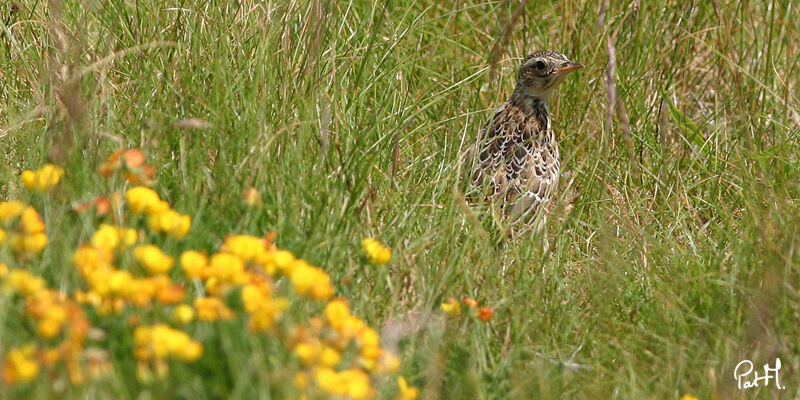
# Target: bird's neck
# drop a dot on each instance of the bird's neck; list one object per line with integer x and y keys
{"x": 533, "y": 105}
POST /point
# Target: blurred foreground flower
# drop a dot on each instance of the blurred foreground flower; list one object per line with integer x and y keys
{"x": 406, "y": 392}
{"x": 19, "y": 365}
{"x": 126, "y": 284}
{"x": 485, "y": 314}
{"x": 159, "y": 342}
{"x": 251, "y": 197}
{"x": 376, "y": 253}
{"x": 452, "y": 307}
{"x": 131, "y": 163}
{"x": 44, "y": 178}
{"x": 23, "y": 228}
{"x": 470, "y": 302}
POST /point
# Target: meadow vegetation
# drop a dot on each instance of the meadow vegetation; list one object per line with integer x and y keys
{"x": 673, "y": 242}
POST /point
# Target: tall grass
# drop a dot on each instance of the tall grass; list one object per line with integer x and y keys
{"x": 673, "y": 246}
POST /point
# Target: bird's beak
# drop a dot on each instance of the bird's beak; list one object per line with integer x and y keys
{"x": 568, "y": 67}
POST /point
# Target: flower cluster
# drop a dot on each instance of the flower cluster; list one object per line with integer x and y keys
{"x": 131, "y": 163}
{"x": 57, "y": 318}
{"x": 158, "y": 342}
{"x": 160, "y": 217}
{"x": 452, "y": 308}
{"x": 340, "y": 336}
{"x": 111, "y": 288}
{"x": 140, "y": 276}
{"x": 43, "y": 179}
{"x": 22, "y": 227}
{"x": 375, "y": 251}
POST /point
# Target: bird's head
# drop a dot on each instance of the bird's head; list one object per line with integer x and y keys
{"x": 542, "y": 71}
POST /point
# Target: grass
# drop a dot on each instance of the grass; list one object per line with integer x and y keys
{"x": 673, "y": 246}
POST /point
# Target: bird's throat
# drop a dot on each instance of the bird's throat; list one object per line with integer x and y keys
{"x": 537, "y": 106}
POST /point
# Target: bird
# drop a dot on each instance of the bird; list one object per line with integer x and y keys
{"x": 515, "y": 161}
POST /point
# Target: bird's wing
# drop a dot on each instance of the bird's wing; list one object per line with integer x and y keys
{"x": 537, "y": 179}
{"x": 487, "y": 158}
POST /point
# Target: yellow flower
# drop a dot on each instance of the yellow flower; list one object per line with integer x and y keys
{"x": 2, "y": 236}
{"x": 301, "y": 380}
{"x": 89, "y": 259}
{"x": 160, "y": 341}
{"x": 44, "y": 179}
{"x": 212, "y": 309}
{"x": 143, "y": 200}
{"x": 336, "y": 311}
{"x": 370, "y": 346}
{"x": 106, "y": 237}
{"x": 452, "y": 307}
{"x": 29, "y": 179}
{"x": 329, "y": 357}
{"x": 227, "y": 268}
{"x": 388, "y": 363}
{"x": 688, "y": 396}
{"x": 31, "y": 243}
{"x": 31, "y": 222}
{"x": 170, "y": 222}
{"x": 253, "y": 296}
{"x": 248, "y": 248}
{"x": 183, "y": 314}
{"x": 109, "y": 238}
{"x": 376, "y": 253}
{"x": 305, "y": 352}
{"x": 120, "y": 282}
{"x": 24, "y": 282}
{"x": 405, "y": 392}
{"x": 310, "y": 281}
{"x": 10, "y": 210}
{"x": 128, "y": 237}
{"x": 356, "y": 384}
{"x": 282, "y": 261}
{"x": 31, "y": 237}
{"x": 193, "y": 263}
{"x": 152, "y": 258}
{"x": 264, "y": 317}
{"x": 329, "y": 381}
{"x": 3, "y": 270}
{"x": 190, "y": 351}
{"x": 19, "y": 365}
{"x": 351, "y": 327}
{"x": 51, "y": 323}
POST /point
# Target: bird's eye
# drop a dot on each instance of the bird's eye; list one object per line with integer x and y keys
{"x": 539, "y": 65}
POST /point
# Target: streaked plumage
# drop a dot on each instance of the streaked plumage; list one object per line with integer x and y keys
{"x": 516, "y": 162}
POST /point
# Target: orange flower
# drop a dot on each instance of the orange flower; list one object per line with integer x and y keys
{"x": 212, "y": 309}
{"x": 485, "y": 314}
{"x": 470, "y": 302}
{"x": 131, "y": 161}
{"x": 251, "y": 197}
